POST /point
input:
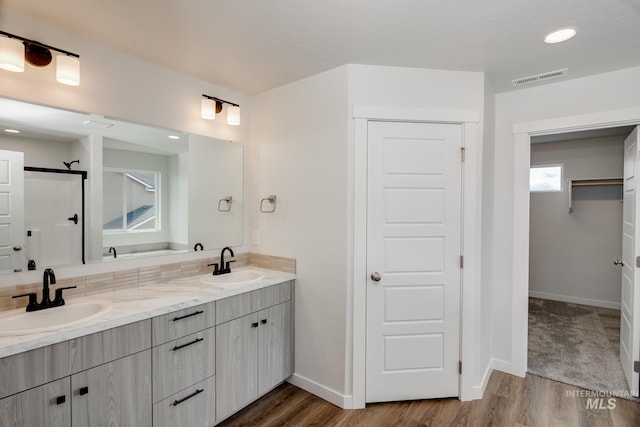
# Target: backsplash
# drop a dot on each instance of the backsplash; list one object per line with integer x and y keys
{"x": 108, "y": 282}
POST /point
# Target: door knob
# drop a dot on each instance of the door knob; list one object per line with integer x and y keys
{"x": 375, "y": 276}
{"x": 618, "y": 262}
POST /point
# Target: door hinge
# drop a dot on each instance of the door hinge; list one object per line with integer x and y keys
{"x": 636, "y": 366}
{"x": 459, "y": 366}
{"x": 462, "y": 154}
{"x": 461, "y": 261}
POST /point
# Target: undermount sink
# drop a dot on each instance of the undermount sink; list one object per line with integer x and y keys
{"x": 235, "y": 278}
{"x": 23, "y": 323}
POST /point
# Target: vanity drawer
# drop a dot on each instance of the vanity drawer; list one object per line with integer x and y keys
{"x": 183, "y": 362}
{"x": 182, "y": 322}
{"x": 193, "y": 406}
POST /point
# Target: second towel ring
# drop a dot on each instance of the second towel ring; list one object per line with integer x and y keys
{"x": 271, "y": 199}
{"x": 228, "y": 200}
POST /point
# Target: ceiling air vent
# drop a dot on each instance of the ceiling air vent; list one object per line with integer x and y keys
{"x": 523, "y": 81}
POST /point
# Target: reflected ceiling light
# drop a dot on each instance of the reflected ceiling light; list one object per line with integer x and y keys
{"x": 560, "y": 35}
{"x": 15, "y": 50}
{"x": 12, "y": 130}
{"x": 210, "y": 106}
{"x": 173, "y": 137}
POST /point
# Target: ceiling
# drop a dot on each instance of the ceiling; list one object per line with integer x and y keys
{"x": 253, "y": 45}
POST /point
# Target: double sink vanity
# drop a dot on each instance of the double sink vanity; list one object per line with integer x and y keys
{"x": 186, "y": 353}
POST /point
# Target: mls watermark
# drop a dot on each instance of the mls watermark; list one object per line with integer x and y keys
{"x": 599, "y": 399}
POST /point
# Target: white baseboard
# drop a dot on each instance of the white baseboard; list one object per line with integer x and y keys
{"x": 323, "y": 392}
{"x": 477, "y": 391}
{"x": 503, "y": 366}
{"x": 575, "y": 300}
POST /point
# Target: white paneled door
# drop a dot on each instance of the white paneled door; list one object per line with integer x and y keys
{"x": 11, "y": 211}
{"x": 630, "y": 298}
{"x": 414, "y": 260}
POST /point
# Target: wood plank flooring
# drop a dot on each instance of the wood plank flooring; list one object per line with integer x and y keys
{"x": 508, "y": 401}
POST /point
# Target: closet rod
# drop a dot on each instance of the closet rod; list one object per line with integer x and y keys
{"x": 595, "y": 182}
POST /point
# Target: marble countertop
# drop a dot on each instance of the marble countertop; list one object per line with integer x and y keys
{"x": 132, "y": 305}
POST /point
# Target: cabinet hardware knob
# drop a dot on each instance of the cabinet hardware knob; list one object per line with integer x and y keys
{"x": 61, "y": 399}
{"x": 84, "y": 390}
{"x": 195, "y": 393}
{"x": 195, "y": 313}
{"x": 263, "y": 321}
{"x": 375, "y": 276}
{"x": 178, "y": 347}
{"x": 255, "y": 325}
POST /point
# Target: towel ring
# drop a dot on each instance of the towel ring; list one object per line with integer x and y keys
{"x": 228, "y": 200}
{"x": 271, "y": 199}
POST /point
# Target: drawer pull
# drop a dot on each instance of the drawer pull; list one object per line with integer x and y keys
{"x": 61, "y": 399}
{"x": 195, "y": 393}
{"x": 195, "y": 313}
{"x": 263, "y": 321}
{"x": 255, "y": 325}
{"x": 178, "y": 347}
{"x": 84, "y": 390}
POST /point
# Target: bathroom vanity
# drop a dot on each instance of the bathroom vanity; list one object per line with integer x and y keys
{"x": 175, "y": 354}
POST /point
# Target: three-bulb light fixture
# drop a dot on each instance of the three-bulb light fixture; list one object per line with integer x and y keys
{"x": 15, "y": 50}
{"x": 210, "y": 106}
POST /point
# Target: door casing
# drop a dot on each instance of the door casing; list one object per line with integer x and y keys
{"x": 520, "y": 234}
{"x": 473, "y": 379}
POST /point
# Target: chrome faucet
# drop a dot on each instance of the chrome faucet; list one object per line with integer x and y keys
{"x": 48, "y": 278}
{"x": 195, "y": 247}
{"x": 224, "y": 267}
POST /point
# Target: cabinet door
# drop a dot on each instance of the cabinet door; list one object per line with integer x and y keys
{"x": 274, "y": 346}
{"x": 236, "y": 364}
{"x": 116, "y": 394}
{"x": 46, "y": 406}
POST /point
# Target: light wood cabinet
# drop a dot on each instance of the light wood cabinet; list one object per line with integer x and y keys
{"x": 116, "y": 394}
{"x": 192, "y": 367}
{"x": 253, "y": 352}
{"x": 236, "y": 364}
{"x": 274, "y": 346}
{"x": 48, "y": 405}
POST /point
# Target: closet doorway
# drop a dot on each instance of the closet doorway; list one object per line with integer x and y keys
{"x": 575, "y": 236}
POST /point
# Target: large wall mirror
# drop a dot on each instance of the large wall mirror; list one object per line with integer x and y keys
{"x": 78, "y": 188}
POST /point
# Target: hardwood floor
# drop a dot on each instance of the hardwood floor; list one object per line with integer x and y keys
{"x": 508, "y": 401}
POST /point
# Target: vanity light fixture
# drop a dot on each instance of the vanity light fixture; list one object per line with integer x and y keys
{"x": 210, "y": 106}
{"x": 560, "y": 35}
{"x": 15, "y": 50}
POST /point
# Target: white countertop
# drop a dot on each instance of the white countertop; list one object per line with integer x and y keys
{"x": 132, "y": 305}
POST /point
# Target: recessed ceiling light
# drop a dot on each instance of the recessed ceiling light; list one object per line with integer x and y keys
{"x": 173, "y": 137}
{"x": 12, "y": 130}
{"x": 559, "y": 36}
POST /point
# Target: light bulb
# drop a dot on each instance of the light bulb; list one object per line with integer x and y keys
{"x": 68, "y": 70}
{"x": 208, "y": 109}
{"x": 11, "y": 54}
{"x": 233, "y": 115}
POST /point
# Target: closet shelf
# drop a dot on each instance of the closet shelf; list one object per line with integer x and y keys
{"x": 595, "y": 182}
{"x": 589, "y": 183}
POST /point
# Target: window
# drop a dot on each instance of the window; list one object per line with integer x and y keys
{"x": 545, "y": 178}
{"x": 130, "y": 200}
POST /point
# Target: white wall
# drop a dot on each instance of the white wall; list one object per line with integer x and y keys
{"x": 298, "y": 152}
{"x": 603, "y": 92}
{"x": 570, "y": 255}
